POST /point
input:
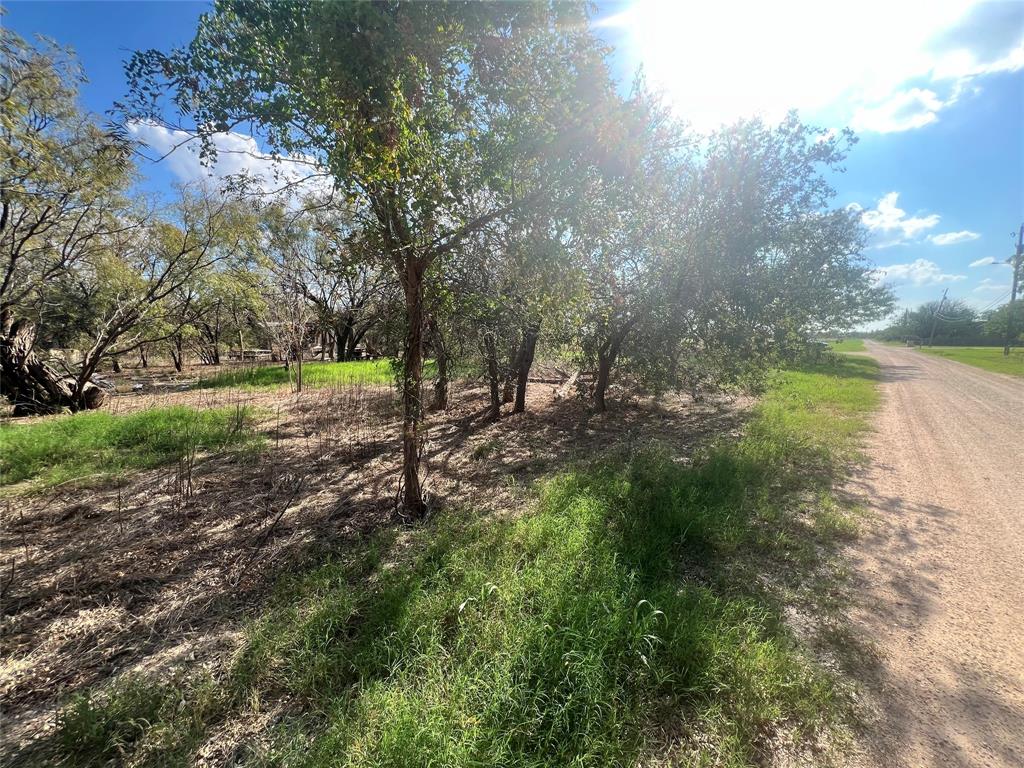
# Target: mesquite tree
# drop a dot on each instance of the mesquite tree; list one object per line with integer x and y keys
{"x": 426, "y": 114}
{"x": 61, "y": 200}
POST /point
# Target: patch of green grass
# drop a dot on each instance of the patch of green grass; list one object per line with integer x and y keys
{"x": 634, "y": 599}
{"x": 138, "y": 715}
{"x": 483, "y": 450}
{"x": 313, "y": 375}
{"x": 989, "y": 358}
{"x": 847, "y": 345}
{"x": 98, "y": 445}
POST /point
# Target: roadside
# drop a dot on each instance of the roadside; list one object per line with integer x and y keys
{"x": 941, "y": 573}
{"x": 987, "y": 358}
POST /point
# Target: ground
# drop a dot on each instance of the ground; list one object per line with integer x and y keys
{"x": 692, "y": 586}
{"x": 940, "y": 574}
{"x": 150, "y": 575}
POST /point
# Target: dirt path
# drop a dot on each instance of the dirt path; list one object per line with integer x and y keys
{"x": 942, "y": 593}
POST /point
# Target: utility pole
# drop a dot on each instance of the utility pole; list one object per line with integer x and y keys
{"x": 935, "y": 316}
{"x": 1016, "y": 261}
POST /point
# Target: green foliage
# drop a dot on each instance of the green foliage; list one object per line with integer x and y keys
{"x": 97, "y": 445}
{"x": 989, "y": 358}
{"x": 632, "y": 598}
{"x": 65, "y": 177}
{"x": 997, "y": 321}
{"x": 95, "y": 729}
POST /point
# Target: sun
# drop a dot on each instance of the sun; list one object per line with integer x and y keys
{"x": 718, "y": 61}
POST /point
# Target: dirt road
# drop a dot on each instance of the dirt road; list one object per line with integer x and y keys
{"x": 942, "y": 572}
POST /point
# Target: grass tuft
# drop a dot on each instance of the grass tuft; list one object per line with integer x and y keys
{"x": 137, "y": 716}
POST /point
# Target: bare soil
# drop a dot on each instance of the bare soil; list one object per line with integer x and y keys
{"x": 154, "y": 575}
{"x": 941, "y": 576}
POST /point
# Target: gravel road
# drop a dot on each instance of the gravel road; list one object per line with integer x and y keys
{"x": 941, "y": 575}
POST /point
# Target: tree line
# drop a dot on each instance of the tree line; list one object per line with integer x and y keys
{"x": 953, "y": 322}
{"x": 480, "y": 187}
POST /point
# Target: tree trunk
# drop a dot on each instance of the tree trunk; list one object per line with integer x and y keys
{"x": 525, "y": 361}
{"x": 491, "y": 356}
{"x": 412, "y": 387}
{"x": 508, "y": 388}
{"x": 143, "y": 361}
{"x": 354, "y": 340}
{"x": 606, "y": 355}
{"x": 343, "y": 336}
{"x": 176, "y": 353}
{"x": 32, "y": 386}
{"x": 441, "y": 356}
{"x": 216, "y": 335}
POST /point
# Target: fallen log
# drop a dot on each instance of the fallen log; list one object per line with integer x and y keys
{"x": 566, "y": 388}
{"x": 33, "y": 386}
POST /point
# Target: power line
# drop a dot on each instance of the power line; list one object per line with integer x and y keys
{"x": 935, "y": 316}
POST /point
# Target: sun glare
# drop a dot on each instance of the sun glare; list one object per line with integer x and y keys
{"x": 720, "y": 61}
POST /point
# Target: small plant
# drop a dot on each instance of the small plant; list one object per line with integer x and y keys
{"x": 139, "y": 719}
{"x": 484, "y": 450}
{"x": 95, "y": 728}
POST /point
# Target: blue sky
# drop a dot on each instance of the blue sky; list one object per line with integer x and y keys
{"x": 935, "y": 91}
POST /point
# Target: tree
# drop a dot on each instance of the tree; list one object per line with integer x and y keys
{"x": 712, "y": 260}
{"x": 425, "y": 114}
{"x": 144, "y": 269}
{"x": 61, "y": 202}
{"x": 954, "y": 322}
{"x": 345, "y": 280}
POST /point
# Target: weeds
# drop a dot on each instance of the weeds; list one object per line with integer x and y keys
{"x": 136, "y": 715}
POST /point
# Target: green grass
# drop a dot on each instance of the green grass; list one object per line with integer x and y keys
{"x": 313, "y": 375}
{"x": 95, "y": 732}
{"x": 97, "y": 446}
{"x": 989, "y": 358}
{"x": 637, "y": 597}
{"x": 847, "y": 345}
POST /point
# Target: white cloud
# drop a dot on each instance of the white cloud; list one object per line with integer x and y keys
{"x": 888, "y": 219}
{"x": 919, "y": 272}
{"x": 902, "y": 111}
{"x": 886, "y": 66}
{"x": 987, "y": 260}
{"x": 952, "y": 238}
{"x": 237, "y": 155}
{"x": 988, "y": 285}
